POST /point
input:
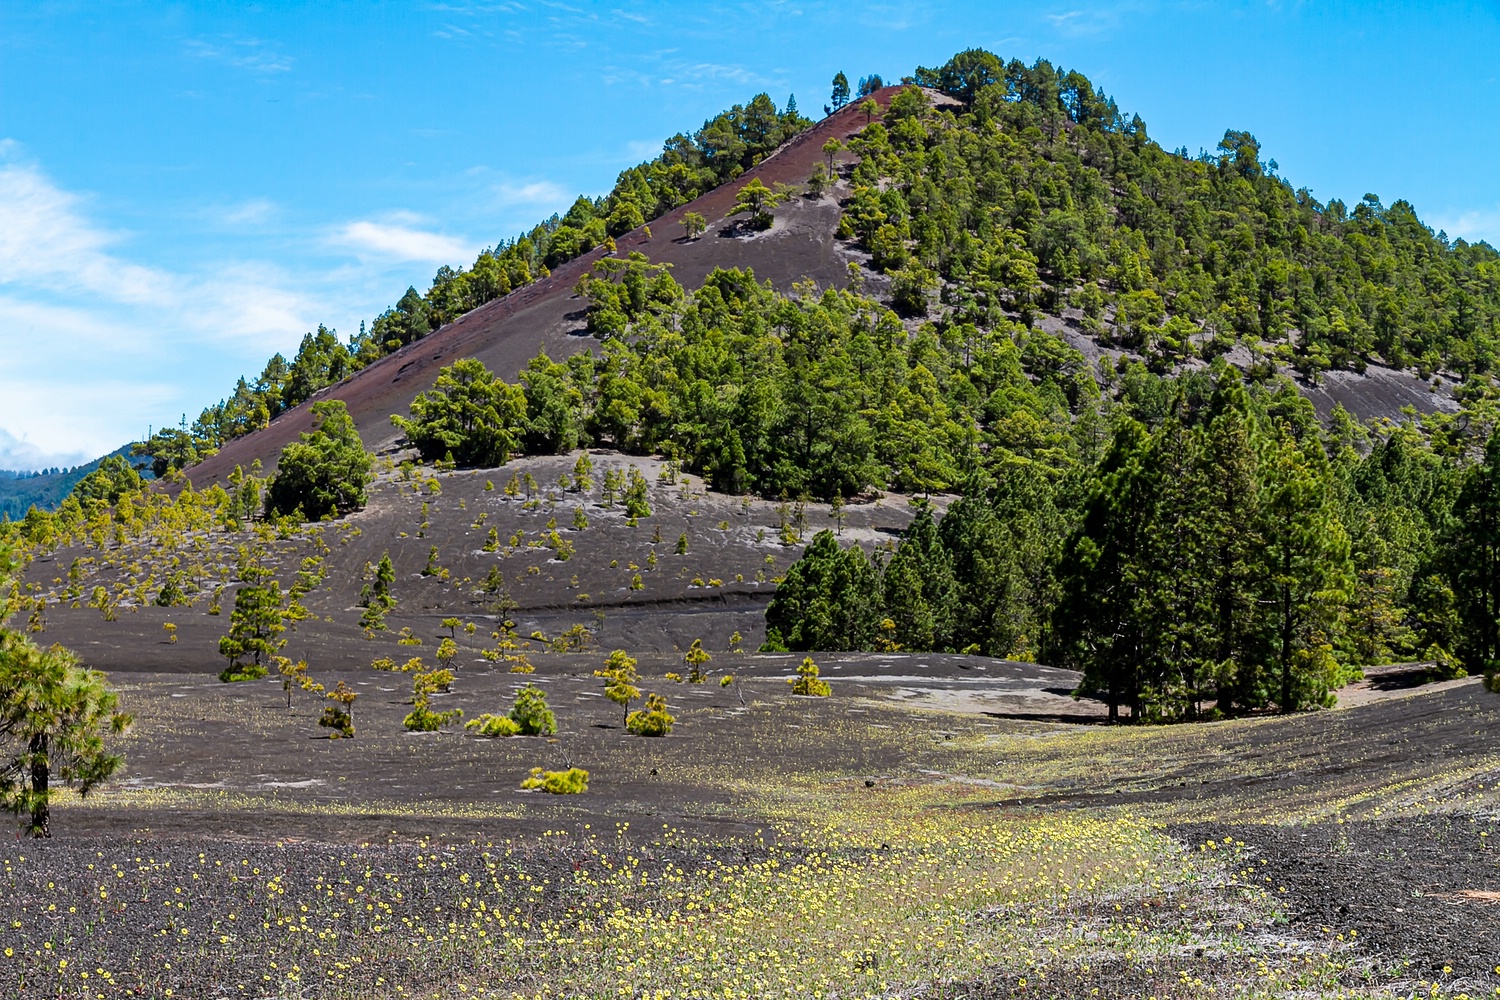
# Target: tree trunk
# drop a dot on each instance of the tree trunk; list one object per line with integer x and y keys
{"x": 1286, "y": 651}
{"x": 40, "y": 813}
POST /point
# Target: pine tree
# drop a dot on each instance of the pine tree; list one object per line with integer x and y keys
{"x": 829, "y": 600}
{"x": 326, "y": 472}
{"x": 1102, "y": 610}
{"x": 254, "y": 626}
{"x": 1232, "y": 512}
{"x": 840, "y": 95}
{"x": 1178, "y": 572}
{"x": 1472, "y": 549}
{"x": 54, "y": 716}
{"x": 1306, "y": 566}
{"x": 919, "y": 591}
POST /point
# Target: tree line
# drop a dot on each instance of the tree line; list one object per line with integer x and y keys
{"x": 1234, "y": 552}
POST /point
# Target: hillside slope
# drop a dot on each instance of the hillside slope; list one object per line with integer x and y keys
{"x": 548, "y": 316}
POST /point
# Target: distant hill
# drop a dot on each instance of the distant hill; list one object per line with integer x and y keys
{"x": 47, "y": 488}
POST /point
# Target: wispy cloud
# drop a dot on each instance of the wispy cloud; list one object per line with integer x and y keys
{"x": 527, "y": 195}
{"x": 95, "y": 345}
{"x": 242, "y": 53}
{"x": 248, "y": 213}
{"x": 400, "y": 241}
{"x": 1473, "y": 225}
{"x": 1097, "y": 19}
{"x": 19, "y": 455}
{"x": 45, "y": 241}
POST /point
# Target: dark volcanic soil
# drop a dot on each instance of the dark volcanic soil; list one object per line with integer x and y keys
{"x": 1422, "y": 890}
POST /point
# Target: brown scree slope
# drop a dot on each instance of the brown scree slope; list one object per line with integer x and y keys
{"x": 546, "y": 315}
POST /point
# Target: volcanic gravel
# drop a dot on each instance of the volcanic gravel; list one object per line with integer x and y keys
{"x": 1422, "y": 890}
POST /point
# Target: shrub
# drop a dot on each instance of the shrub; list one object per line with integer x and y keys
{"x": 570, "y": 782}
{"x": 531, "y": 714}
{"x": 807, "y": 681}
{"x": 493, "y": 726}
{"x": 422, "y": 719}
{"x": 338, "y": 717}
{"x": 653, "y": 720}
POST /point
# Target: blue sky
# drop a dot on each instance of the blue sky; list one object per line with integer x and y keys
{"x": 187, "y": 188}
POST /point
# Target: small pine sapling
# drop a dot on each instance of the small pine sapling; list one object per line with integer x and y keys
{"x": 807, "y": 681}
{"x": 682, "y": 544}
{"x": 636, "y": 503}
{"x": 422, "y": 719}
{"x": 653, "y": 720}
{"x": 583, "y": 473}
{"x": 338, "y": 718}
{"x": 531, "y": 714}
{"x": 620, "y": 677}
{"x": 696, "y": 659}
{"x": 294, "y": 675}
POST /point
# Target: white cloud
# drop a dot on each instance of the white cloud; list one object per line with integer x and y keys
{"x": 248, "y": 213}
{"x": 242, "y": 53}
{"x": 402, "y": 242}
{"x": 97, "y": 342}
{"x": 45, "y": 241}
{"x": 1474, "y": 225}
{"x": 524, "y": 195}
{"x": 18, "y": 455}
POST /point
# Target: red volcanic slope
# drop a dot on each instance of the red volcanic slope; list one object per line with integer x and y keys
{"x": 546, "y": 315}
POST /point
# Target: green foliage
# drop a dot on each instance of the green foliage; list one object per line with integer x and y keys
{"x": 421, "y": 718}
{"x": 255, "y": 625}
{"x": 807, "y": 682}
{"x": 653, "y": 720}
{"x": 327, "y": 472}
{"x": 1228, "y": 552}
{"x": 468, "y": 414}
{"x": 54, "y": 718}
{"x": 636, "y": 502}
{"x": 829, "y": 600}
{"x": 620, "y": 677}
{"x": 493, "y": 726}
{"x": 338, "y": 716}
{"x": 756, "y": 200}
{"x": 697, "y": 659}
{"x": 112, "y": 479}
{"x": 840, "y": 92}
{"x": 531, "y": 714}
{"x": 573, "y": 781}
